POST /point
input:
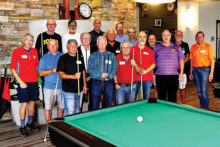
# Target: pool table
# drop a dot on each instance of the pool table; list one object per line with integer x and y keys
{"x": 164, "y": 124}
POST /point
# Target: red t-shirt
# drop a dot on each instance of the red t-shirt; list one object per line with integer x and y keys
{"x": 25, "y": 63}
{"x": 144, "y": 58}
{"x": 124, "y": 72}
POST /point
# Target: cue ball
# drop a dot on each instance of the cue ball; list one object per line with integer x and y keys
{"x": 139, "y": 118}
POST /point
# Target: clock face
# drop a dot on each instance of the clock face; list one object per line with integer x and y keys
{"x": 85, "y": 10}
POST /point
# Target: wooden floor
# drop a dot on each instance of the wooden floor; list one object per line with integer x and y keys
{"x": 10, "y": 137}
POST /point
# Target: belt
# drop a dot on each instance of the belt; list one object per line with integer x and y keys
{"x": 101, "y": 81}
{"x": 203, "y": 67}
{"x": 126, "y": 85}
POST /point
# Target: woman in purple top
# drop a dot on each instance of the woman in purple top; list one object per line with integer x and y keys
{"x": 169, "y": 58}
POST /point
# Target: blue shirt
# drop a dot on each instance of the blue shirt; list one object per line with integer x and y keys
{"x": 95, "y": 66}
{"x": 47, "y": 62}
{"x": 122, "y": 38}
{"x": 133, "y": 44}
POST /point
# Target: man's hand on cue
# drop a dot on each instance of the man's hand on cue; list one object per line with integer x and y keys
{"x": 77, "y": 75}
{"x": 133, "y": 63}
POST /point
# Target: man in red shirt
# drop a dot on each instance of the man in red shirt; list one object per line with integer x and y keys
{"x": 24, "y": 67}
{"x": 126, "y": 75}
{"x": 145, "y": 60}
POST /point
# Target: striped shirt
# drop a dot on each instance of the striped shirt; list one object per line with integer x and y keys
{"x": 167, "y": 59}
{"x": 102, "y": 62}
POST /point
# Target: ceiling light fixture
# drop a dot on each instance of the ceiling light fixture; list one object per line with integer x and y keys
{"x": 155, "y": 1}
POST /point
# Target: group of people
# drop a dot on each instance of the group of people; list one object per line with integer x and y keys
{"x": 104, "y": 66}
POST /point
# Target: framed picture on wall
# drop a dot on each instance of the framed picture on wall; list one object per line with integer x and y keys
{"x": 158, "y": 22}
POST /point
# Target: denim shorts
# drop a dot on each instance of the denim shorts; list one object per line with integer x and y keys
{"x": 30, "y": 93}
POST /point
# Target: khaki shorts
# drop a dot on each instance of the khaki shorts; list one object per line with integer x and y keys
{"x": 48, "y": 97}
{"x": 182, "y": 85}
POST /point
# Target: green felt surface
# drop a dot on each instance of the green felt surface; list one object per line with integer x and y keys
{"x": 164, "y": 125}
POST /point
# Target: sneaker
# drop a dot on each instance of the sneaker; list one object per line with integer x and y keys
{"x": 23, "y": 131}
{"x": 33, "y": 127}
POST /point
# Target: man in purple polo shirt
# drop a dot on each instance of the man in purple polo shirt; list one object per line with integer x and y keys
{"x": 169, "y": 58}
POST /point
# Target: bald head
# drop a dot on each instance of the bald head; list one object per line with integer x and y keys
{"x": 142, "y": 38}
{"x": 51, "y": 26}
{"x": 51, "y": 21}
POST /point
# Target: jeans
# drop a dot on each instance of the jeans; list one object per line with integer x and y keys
{"x": 201, "y": 78}
{"x": 71, "y": 102}
{"x": 97, "y": 89}
{"x": 146, "y": 88}
{"x": 123, "y": 94}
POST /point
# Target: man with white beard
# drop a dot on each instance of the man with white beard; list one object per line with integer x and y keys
{"x": 72, "y": 26}
{"x": 144, "y": 58}
{"x": 186, "y": 52}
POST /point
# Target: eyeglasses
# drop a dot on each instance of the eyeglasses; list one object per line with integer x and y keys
{"x": 51, "y": 24}
{"x": 86, "y": 38}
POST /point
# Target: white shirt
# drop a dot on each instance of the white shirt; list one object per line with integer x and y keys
{"x": 83, "y": 50}
{"x": 68, "y": 36}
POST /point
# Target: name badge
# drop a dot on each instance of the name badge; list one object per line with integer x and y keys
{"x": 184, "y": 52}
{"x": 23, "y": 56}
{"x": 122, "y": 63}
{"x": 146, "y": 53}
{"x": 173, "y": 50}
{"x": 202, "y": 51}
{"x": 117, "y": 51}
{"x": 108, "y": 62}
{"x": 78, "y": 62}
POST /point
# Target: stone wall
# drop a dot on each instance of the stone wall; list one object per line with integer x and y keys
{"x": 14, "y": 18}
{"x": 15, "y": 15}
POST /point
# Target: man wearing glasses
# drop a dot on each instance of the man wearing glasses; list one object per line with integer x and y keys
{"x": 132, "y": 37}
{"x": 44, "y": 38}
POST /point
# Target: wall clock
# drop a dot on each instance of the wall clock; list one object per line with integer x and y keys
{"x": 85, "y": 10}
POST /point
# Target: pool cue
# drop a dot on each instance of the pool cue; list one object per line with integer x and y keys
{"x": 106, "y": 77}
{"x": 108, "y": 62}
{"x": 42, "y": 46}
{"x": 78, "y": 80}
{"x": 141, "y": 77}
{"x": 132, "y": 74}
{"x": 42, "y": 79}
{"x": 54, "y": 97}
